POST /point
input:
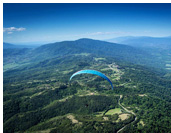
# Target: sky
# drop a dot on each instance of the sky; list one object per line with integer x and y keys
{"x": 31, "y": 23}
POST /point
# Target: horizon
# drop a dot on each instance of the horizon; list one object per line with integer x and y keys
{"x": 107, "y": 40}
{"x": 28, "y": 23}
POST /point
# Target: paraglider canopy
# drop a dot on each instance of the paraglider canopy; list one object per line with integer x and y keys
{"x": 93, "y": 72}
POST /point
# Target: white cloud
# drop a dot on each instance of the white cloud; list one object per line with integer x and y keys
{"x": 105, "y": 33}
{"x": 21, "y": 29}
{"x": 96, "y": 33}
{"x": 10, "y": 30}
{"x": 88, "y": 34}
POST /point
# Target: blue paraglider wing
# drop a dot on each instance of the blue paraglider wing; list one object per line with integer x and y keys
{"x": 92, "y": 72}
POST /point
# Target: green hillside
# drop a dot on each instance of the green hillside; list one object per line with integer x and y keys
{"x": 39, "y": 97}
{"x": 88, "y": 46}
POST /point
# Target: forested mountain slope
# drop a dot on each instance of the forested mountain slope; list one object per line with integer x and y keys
{"x": 40, "y": 97}
{"x": 118, "y": 51}
{"x": 160, "y": 47}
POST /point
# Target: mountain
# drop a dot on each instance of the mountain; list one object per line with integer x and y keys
{"x": 119, "y": 51}
{"x": 8, "y": 45}
{"x": 144, "y": 41}
{"x": 12, "y": 46}
{"x": 15, "y": 54}
{"x": 81, "y": 46}
{"x": 38, "y": 96}
{"x": 119, "y": 39}
{"x": 160, "y": 47}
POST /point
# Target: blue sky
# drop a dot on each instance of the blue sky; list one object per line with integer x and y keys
{"x": 42, "y": 23}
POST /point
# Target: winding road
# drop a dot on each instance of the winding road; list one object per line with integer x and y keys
{"x": 126, "y": 111}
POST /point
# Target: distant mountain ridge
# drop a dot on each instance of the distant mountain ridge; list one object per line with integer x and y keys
{"x": 8, "y": 45}
{"x": 84, "y": 45}
{"x": 97, "y": 47}
{"x": 144, "y": 41}
{"x": 11, "y": 46}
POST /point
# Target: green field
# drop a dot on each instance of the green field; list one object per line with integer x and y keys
{"x": 100, "y": 114}
{"x": 113, "y": 111}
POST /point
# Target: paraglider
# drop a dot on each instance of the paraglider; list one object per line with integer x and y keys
{"x": 93, "y": 72}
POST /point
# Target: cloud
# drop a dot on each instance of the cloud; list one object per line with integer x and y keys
{"x": 10, "y": 30}
{"x": 97, "y": 34}
{"x": 105, "y": 33}
{"x": 21, "y": 29}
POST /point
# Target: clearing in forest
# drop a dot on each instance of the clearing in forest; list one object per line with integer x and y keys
{"x": 74, "y": 121}
{"x": 113, "y": 111}
{"x": 142, "y": 123}
{"x": 124, "y": 116}
{"x": 142, "y": 95}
